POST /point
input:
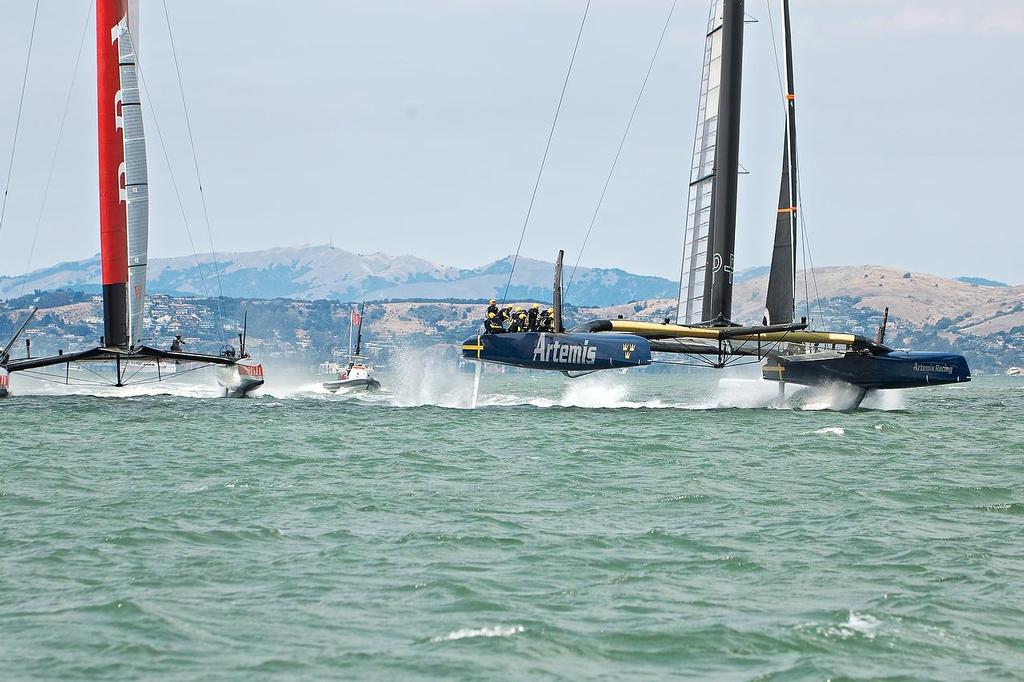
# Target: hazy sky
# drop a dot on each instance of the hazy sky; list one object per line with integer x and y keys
{"x": 418, "y": 126}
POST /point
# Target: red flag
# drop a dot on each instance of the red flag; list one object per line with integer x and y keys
{"x": 355, "y": 318}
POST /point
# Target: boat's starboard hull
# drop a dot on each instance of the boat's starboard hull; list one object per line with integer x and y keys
{"x": 581, "y": 352}
{"x": 240, "y": 379}
{"x": 897, "y": 369}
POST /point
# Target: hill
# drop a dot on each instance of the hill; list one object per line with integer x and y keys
{"x": 326, "y": 272}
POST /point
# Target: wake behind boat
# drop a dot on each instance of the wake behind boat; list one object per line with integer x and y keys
{"x": 121, "y": 357}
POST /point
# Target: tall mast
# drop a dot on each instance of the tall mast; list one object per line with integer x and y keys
{"x": 722, "y": 237}
{"x": 123, "y": 178}
{"x": 111, "y": 15}
{"x": 781, "y": 301}
{"x": 359, "y": 329}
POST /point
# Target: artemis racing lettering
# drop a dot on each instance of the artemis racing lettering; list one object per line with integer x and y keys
{"x": 933, "y": 369}
{"x": 564, "y": 353}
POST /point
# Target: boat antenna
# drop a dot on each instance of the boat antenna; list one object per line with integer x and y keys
{"x": 547, "y": 148}
{"x": 622, "y": 143}
{"x": 21, "y": 107}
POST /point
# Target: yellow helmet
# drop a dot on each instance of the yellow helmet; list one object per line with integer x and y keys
{"x": 551, "y": 311}
{"x": 536, "y": 306}
{"x": 490, "y": 316}
{"x": 519, "y": 308}
{"x": 492, "y": 302}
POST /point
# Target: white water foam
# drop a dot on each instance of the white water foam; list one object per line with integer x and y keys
{"x": 422, "y": 377}
{"x": 856, "y": 624}
{"x": 831, "y": 431}
{"x": 494, "y": 631}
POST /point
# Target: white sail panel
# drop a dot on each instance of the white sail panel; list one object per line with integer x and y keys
{"x": 702, "y": 177}
{"x": 136, "y": 180}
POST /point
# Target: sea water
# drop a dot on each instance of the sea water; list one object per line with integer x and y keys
{"x": 614, "y": 527}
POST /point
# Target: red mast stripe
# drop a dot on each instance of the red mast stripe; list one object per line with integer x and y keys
{"x": 113, "y": 217}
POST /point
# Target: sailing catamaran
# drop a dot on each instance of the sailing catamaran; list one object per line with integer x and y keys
{"x": 355, "y": 376}
{"x": 703, "y": 329}
{"x": 122, "y": 357}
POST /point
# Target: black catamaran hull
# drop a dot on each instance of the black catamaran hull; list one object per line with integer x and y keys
{"x": 584, "y": 352}
{"x": 896, "y": 369}
{"x": 352, "y": 385}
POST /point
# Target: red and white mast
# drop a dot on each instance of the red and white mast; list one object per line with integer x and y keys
{"x": 124, "y": 187}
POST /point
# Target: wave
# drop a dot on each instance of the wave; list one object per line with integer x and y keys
{"x": 494, "y": 631}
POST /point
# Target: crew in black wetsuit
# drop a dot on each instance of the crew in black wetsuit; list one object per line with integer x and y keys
{"x": 492, "y": 325}
{"x": 492, "y": 307}
{"x": 505, "y": 315}
{"x": 176, "y": 344}
{"x": 533, "y": 323}
{"x": 544, "y": 321}
{"x": 549, "y": 320}
{"x": 516, "y": 324}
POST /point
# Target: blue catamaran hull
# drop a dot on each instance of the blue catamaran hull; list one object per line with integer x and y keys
{"x": 561, "y": 352}
{"x": 895, "y": 369}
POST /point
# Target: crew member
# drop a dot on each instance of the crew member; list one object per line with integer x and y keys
{"x": 505, "y": 315}
{"x": 492, "y": 307}
{"x": 492, "y": 325}
{"x": 176, "y": 344}
{"x": 544, "y": 321}
{"x": 518, "y": 320}
{"x": 532, "y": 318}
{"x": 550, "y": 324}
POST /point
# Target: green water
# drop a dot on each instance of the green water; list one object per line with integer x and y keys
{"x": 623, "y": 528}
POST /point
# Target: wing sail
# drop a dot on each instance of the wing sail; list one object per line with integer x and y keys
{"x": 702, "y": 177}
{"x": 781, "y": 300}
{"x": 136, "y": 178}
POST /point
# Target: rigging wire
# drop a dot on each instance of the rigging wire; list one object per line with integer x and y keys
{"x": 622, "y": 143}
{"x": 547, "y": 148}
{"x": 56, "y": 149}
{"x": 17, "y": 123}
{"x": 195, "y": 163}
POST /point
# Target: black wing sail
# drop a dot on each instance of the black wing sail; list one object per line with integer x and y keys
{"x": 705, "y": 287}
{"x": 781, "y": 300}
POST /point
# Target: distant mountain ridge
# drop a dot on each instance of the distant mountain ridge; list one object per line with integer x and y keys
{"x": 327, "y": 272}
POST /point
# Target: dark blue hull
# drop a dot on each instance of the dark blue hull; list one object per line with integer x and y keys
{"x": 896, "y": 369}
{"x": 560, "y": 352}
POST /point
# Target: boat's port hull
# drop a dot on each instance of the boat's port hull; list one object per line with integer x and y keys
{"x": 352, "y": 385}
{"x": 898, "y": 369}
{"x": 581, "y": 352}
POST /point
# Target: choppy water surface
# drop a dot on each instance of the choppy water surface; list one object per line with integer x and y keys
{"x": 617, "y": 528}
